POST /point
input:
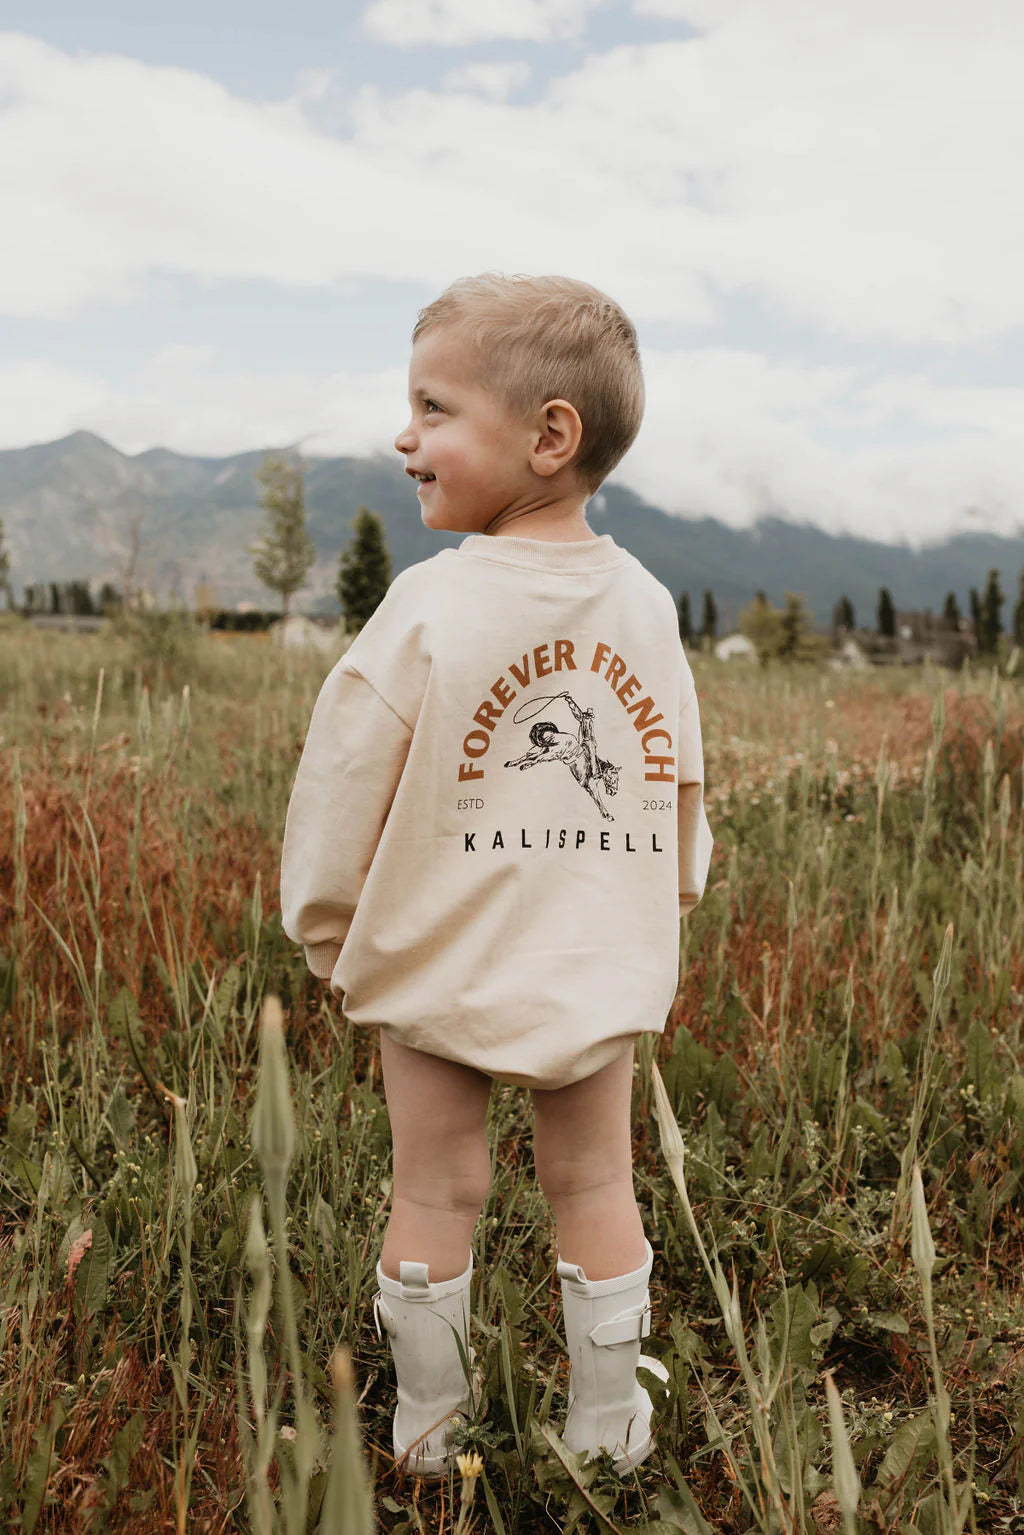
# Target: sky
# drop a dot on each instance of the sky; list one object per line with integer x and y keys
{"x": 218, "y": 228}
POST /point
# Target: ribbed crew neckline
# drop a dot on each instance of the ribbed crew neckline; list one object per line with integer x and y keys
{"x": 543, "y": 554}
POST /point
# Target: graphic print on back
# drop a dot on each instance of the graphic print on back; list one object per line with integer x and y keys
{"x": 577, "y": 750}
{"x": 585, "y": 751}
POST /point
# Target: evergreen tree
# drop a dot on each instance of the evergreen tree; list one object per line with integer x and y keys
{"x": 951, "y": 612}
{"x": 1018, "y": 613}
{"x": 842, "y": 616}
{"x": 991, "y": 622}
{"x": 80, "y": 598}
{"x": 976, "y": 619}
{"x": 54, "y": 598}
{"x": 364, "y": 570}
{"x": 5, "y": 568}
{"x": 685, "y": 620}
{"x": 709, "y": 618}
{"x": 283, "y": 556}
{"x": 886, "y": 613}
{"x": 795, "y": 627}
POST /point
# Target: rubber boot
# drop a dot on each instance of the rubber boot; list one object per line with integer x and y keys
{"x": 605, "y": 1320}
{"x": 421, "y": 1320}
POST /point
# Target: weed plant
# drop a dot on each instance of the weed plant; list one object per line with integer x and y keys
{"x": 195, "y": 1153}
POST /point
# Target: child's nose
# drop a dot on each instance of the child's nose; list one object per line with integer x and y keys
{"x": 403, "y": 441}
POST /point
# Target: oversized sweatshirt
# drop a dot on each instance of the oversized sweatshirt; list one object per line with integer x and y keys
{"x": 497, "y": 818}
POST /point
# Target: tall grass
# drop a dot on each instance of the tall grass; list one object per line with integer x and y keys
{"x": 195, "y": 1154}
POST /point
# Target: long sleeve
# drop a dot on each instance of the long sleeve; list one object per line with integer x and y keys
{"x": 695, "y": 839}
{"x": 349, "y": 771}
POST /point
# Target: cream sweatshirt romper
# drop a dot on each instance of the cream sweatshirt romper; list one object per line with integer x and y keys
{"x": 498, "y": 815}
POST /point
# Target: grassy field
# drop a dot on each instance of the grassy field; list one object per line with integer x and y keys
{"x": 838, "y": 1253}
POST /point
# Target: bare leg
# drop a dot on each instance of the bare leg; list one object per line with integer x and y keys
{"x": 582, "y": 1148}
{"x": 442, "y": 1160}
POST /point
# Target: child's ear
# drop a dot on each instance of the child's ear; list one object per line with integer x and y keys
{"x": 558, "y": 437}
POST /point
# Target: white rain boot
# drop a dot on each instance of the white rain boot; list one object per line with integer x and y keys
{"x": 419, "y": 1318}
{"x": 605, "y": 1320}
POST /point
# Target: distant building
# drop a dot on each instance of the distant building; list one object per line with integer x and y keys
{"x": 298, "y": 632}
{"x": 733, "y": 645}
{"x": 919, "y": 637}
{"x": 850, "y": 656}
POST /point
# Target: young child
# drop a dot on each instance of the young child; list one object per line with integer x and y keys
{"x": 498, "y": 805}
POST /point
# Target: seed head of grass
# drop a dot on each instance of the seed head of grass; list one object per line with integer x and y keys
{"x": 273, "y": 1126}
{"x": 922, "y": 1248}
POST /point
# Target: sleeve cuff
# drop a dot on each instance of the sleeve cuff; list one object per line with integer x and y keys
{"x": 322, "y": 958}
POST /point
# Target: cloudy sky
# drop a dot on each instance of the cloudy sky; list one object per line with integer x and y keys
{"x": 218, "y": 228}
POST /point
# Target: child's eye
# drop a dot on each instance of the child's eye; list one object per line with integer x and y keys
{"x": 429, "y": 403}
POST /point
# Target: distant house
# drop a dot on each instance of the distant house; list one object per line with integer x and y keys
{"x": 919, "y": 637}
{"x": 922, "y": 637}
{"x": 298, "y": 632}
{"x": 849, "y": 656}
{"x": 733, "y": 645}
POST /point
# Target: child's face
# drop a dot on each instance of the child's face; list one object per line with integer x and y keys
{"x": 479, "y": 454}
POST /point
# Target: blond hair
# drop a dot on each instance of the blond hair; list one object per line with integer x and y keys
{"x": 535, "y": 339}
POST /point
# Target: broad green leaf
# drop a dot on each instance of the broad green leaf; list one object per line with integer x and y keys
{"x": 912, "y": 1440}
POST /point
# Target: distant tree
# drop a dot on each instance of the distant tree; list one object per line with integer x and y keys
{"x": 886, "y": 613}
{"x": 709, "y": 618}
{"x": 54, "y": 597}
{"x": 128, "y": 550}
{"x": 783, "y": 634}
{"x": 761, "y": 624}
{"x": 800, "y": 642}
{"x": 205, "y": 599}
{"x": 283, "y": 556}
{"x": 364, "y": 570}
{"x": 5, "y": 567}
{"x": 80, "y": 598}
{"x": 843, "y": 617}
{"x": 991, "y": 622}
{"x": 1018, "y": 613}
{"x": 110, "y": 598}
{"x": 685, "y": 620}
{"x": 950, "y": 613}
{"x": 976, "y": 618}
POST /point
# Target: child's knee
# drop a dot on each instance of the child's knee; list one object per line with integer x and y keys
{"x": 451, "y": 1175}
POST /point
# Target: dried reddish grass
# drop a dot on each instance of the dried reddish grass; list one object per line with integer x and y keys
{"x": 220, "y": 866}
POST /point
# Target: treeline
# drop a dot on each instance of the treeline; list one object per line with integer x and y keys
{"x": 74, "y": 598}
{"x": 790, "y": 631}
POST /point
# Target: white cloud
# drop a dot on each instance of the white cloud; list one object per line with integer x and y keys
{"x": 180, "y": 397}
{"x": 808, "y": 157}
{"x": 489, "y": 78}
{"x": 735, "y": 435}
{"x": 41, "y": 400}
{"x": 454, "y": 23}
{"x": 849, "y": 166}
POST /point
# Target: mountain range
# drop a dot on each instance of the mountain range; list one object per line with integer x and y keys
{"x": 69, "y": 508}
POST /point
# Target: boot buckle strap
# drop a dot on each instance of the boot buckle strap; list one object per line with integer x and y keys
{"x": 628, "y": 1328}
{"x": 415, "y": 1278}
{"x": 570, "y": 1271}
{"x": 381, "y": 1314}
